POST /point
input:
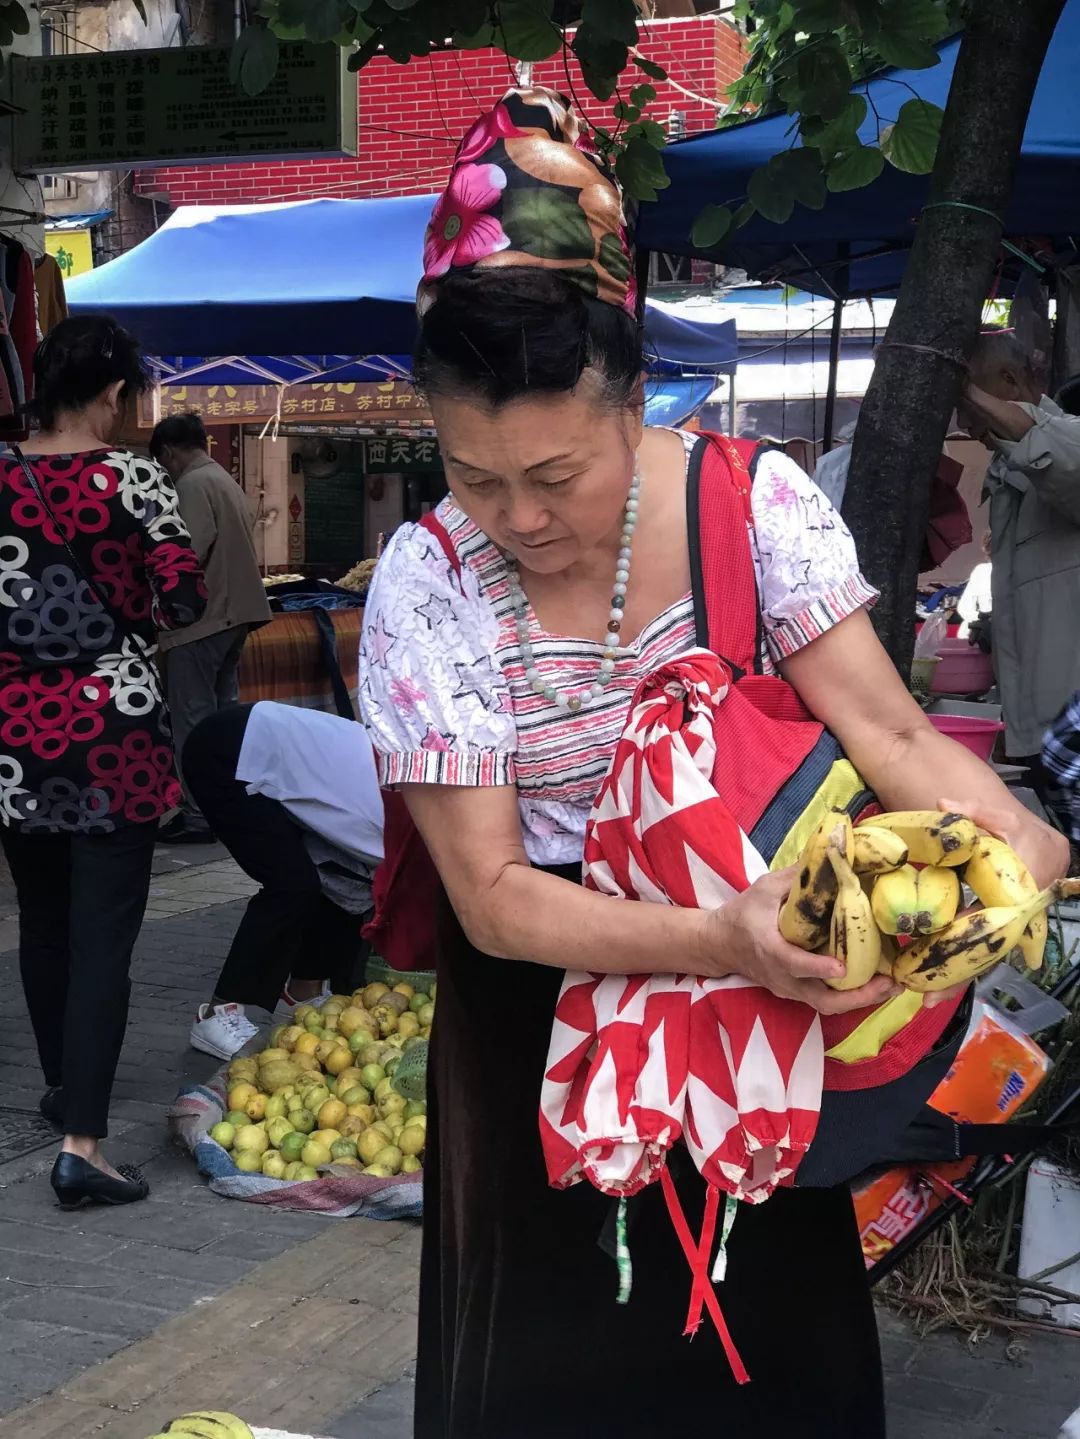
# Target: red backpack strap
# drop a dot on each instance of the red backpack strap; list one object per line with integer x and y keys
{"x": 441, "y": 534}
{"x": 727, "y": 610}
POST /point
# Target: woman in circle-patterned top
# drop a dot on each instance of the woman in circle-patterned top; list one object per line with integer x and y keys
{"x": 94, "y": 560}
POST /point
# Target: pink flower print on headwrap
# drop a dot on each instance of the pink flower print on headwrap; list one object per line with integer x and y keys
{"x": 461, "y": 231}
{"x": 487, "y": 131}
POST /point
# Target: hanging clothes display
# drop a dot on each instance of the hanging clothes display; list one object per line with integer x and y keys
{"x": 18, "y": 340}
{"x": 52, "y": 302}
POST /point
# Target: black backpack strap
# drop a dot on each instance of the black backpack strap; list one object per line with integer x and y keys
{"x": 328, "y": 651}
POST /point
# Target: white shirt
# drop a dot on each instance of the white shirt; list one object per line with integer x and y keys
{"x": 831, "y": 474}
{"x": 321, "y": 768}
{"x": 977, "y": 598}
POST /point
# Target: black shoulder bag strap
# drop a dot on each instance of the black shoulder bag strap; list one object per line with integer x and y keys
{"x": 122, "y": 627}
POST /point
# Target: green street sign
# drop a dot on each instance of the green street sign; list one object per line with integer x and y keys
{"x": 141, "y": 108}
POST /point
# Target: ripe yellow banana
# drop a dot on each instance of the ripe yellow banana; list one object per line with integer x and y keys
{"x": 878, "y": 850}
{"x": 916, "y": 901}
{"x": 998, "y": 876}
{"x": 804, "y": 917}
{"x": 931, "y": 837}
{"x": 973, "y": 943}
{"x": 854, "y": 938}
{"x": 209, "y": 1424}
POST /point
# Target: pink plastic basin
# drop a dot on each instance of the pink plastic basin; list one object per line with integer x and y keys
{"x": 964, "y": 670}
{"x": 977, "y": 735}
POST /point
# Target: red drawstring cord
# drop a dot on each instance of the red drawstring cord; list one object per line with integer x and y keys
{"x": 697, "y": 1256}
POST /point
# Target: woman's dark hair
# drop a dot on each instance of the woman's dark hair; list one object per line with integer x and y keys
{"x": 78, "y": 359}
{"x": 502, "y": 334}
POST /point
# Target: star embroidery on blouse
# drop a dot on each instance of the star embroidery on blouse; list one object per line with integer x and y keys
{"x": 435, "y": 740}
{"x": 380, "y": 642}
{"x": 803, "y": 565}
{"x": 435, "y": 611}
{"x": 480, "y": 681}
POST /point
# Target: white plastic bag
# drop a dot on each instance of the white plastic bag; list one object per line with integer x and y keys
{"x": 932, "y": 636}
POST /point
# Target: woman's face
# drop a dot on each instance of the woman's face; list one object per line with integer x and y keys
{"x": 545, "y": 478}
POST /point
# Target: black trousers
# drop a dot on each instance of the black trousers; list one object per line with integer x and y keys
{"x": 289, "y": 927}
{"x": 81, "y": 905}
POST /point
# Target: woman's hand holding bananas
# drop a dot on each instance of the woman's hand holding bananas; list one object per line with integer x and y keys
{"x": 745, "y": 939}
{"x": 1043, "y": 850}
{"x": 853, "y": 890}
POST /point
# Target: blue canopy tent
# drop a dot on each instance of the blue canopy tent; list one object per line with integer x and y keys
{"x": 856, "y": 244}
{"x": 275, "y": 288}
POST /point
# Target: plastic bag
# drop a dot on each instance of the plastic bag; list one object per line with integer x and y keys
{"x": 932, "y": 636}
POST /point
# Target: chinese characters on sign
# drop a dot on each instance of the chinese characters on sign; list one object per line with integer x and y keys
{"x": 164, "y": 107}
{"x": 72, "y": 250}
{"x": 401, "y": 455}
{"x": 393, "y": 402}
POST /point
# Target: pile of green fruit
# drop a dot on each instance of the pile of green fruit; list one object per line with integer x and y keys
{"x": 322, "y": 1092}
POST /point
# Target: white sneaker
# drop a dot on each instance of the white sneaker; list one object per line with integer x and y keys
{"x": 287, "y": 1005}
{"x": 223, "y": 1031}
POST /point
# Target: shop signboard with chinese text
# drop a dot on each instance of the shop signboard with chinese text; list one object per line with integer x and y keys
{"x": 401, "y": 455}
{"x": 391, "y": 403}
{"x": 178, "y": 107}
{"x": 72, "y": 250}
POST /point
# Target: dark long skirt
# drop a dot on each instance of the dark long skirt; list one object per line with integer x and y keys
{"x": 520, "y": 1334}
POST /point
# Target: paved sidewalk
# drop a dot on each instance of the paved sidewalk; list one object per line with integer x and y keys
{"x": 113, "y": 1320}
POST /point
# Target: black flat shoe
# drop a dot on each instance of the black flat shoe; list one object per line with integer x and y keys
{"x": 51, "y": 1105}
{"x": 76, "y": 1182}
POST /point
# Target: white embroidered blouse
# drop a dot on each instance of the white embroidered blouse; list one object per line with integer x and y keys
{"x": 443, "y": 691}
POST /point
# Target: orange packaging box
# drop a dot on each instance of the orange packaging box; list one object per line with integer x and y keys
{"x": 995, "y": 1073}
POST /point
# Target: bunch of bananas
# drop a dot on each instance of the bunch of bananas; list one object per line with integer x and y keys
{"x": 207, "y": 1424}
{"x": 859, "y": 896}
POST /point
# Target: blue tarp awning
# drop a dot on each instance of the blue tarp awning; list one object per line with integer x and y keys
{"x": 877, "y": 222}
{"x": 304, "y": 279}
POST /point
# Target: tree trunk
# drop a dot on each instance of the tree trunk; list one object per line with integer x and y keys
{"x": 920, "y": 364}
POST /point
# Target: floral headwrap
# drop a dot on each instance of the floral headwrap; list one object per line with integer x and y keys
{"x": 528, "y": 188}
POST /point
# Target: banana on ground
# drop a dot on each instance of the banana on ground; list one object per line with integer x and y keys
{"x": 878, "y": 850}
{"x": 209, "y": 1424}
{"x": 999, "y": 876}
{"x": 854, "y": 938}
{"x": 916, "y": 901}
{"x": 931, "y": 837}
{"x": 804, "y": 916}
{"x": 975, "y": 942}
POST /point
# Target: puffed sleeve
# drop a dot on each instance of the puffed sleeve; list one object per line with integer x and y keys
{"x": 432, "y": 695}
{"x": 810, "y": 578}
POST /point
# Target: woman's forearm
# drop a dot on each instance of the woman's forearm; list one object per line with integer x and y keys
{"x": 529, "y": 914}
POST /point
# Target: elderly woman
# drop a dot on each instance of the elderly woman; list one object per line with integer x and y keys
{"x": 501, "y": 651}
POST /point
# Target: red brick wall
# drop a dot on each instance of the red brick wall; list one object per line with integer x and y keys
{"x": 412, "y": 116}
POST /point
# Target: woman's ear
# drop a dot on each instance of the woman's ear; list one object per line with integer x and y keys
{"x": 111, "y": 396}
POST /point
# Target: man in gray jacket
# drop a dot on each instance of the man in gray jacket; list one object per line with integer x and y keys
{"x": 202, "y": 662}
{"x": 1033, "y": 488}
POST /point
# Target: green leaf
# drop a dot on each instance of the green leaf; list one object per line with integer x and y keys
{"x": 400, "y": 4}
{"x": 816, "y": 16}
{"x": 602, "y": 61}
{"x": 360, "y": 6}
{"x": 614, "y": 19}
{"x": 746, "y": 211}
{"x": 854, "y": 168}
{"x": 526, "y": 30}
{"x": 482, "y": 39}
{"x": 771, "y": 193}
{"x": 600, "y": 84}
{"x": 711, "y": 226}
{"x": 253, "y": 60}
{"x": 906, "y": 52}
{"x": 911, "y": 144}
{"x": 367, "y": 51}
{"x": 323, "y": 19}
{"x": 614, "y": 258}
{"x": 642, "y": 95}
{"x": 650, "y": 130}
{"x": 19, "y": 21}
{"x": 640, "y": 170}
{"x": 828, "y": 136}
{"x": 548, "y": 222}
{"x": 650, "y": 68}
{"x": 802, "y": 167}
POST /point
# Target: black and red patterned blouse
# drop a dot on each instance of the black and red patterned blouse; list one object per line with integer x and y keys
{"x": 84, "y": 738}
